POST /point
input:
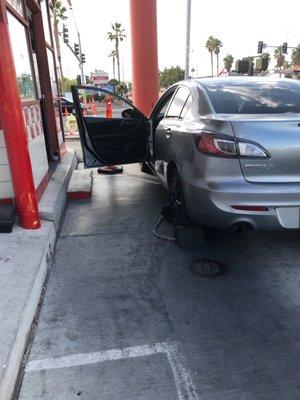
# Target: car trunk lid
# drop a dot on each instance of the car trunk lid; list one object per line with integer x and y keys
{"x": 280, "y": 137}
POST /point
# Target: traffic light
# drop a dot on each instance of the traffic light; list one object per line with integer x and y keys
{"x": 242, "y": 66}
{"x": 260, "y": 47}
{"x": 284, "y": 48}
{"x": 87, "y": 79}
{"x": 82, "y": 58}
{"x": 76, "y": 49}
{"x": 65, "y": 34}
{"x": 262, "y": 64}
{"x": 78, "y": 80}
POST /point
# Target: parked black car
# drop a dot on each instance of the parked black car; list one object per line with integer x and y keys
{"x": 68, "y": 105}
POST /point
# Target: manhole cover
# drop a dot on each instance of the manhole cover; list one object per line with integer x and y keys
{"x": 208, "y": 267}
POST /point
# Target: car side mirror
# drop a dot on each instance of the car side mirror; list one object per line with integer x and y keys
{"x": 128, "y": 113}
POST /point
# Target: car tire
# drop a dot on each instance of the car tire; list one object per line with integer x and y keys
{"x": 177, "y": 195}
{"x": 145, "y": 168}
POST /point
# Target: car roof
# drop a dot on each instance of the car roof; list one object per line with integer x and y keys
{"x": 203, "y": 82}
{"x": 241, "y": 79}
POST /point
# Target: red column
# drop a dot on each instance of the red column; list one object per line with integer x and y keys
{"x": 15, "y": 132}
{"x": 144, "y": 54}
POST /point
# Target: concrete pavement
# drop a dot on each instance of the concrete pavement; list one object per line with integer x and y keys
{"x": 123, "y": 317}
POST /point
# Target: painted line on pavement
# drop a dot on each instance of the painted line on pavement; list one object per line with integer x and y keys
{"x": 183, "y": 381}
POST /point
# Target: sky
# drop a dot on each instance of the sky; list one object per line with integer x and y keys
{"x": 240, "y": 25}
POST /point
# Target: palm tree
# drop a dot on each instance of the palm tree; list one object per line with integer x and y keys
{"x": 287, "y": 65}
{"x": 266, "y": 55}
{"x": 228, "y": 61}
{"x": 279, "y": 57}
{"x": 117, "y": 35}
{"x": 217, "y": 48}
{"x": 122, "y": 89}
{"x": 210, "y": 45}
{"x": 265, "y": 61}
{"x": 58, "y": 13}
{"x": 113, "y": 54}
{"x": 296, "y": 55}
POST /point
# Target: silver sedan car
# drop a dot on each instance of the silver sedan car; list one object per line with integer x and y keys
{"x": 227, "y": 149}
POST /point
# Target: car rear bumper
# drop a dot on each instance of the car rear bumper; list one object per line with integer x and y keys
{"x": 211, "y": 205}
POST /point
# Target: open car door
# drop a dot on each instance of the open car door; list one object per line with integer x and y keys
{"x": 112, "y": 131}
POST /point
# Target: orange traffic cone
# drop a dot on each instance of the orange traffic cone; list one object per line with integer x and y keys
{"x": 85, "y": 106}
{"x": 94, "y": 109}
{"x": 109, "y": 169}
{"x": 108, "y": 110}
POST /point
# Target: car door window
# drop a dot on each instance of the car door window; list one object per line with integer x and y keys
{"x": 164, "y": 107}
{"x": 186, "y": 106}
{"x": 161, "y": 111}
{"x": 98, "y": 104}
{"x": 178, "y": 102}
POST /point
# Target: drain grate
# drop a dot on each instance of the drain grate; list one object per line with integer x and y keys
{"x": 208, "y": 267}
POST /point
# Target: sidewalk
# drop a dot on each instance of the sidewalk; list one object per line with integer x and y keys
{"x": 25, "y": 257}
{"x": 24, "y": 260}
{"x": 125, "y": 319}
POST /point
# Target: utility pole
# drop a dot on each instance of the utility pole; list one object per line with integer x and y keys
{"x": 188, "y": 39}
{"x": 123, "y": 69}
{"x": 76, "y": 51}
{"x": 79, "y": 44}
{"x": 81, "y": 61}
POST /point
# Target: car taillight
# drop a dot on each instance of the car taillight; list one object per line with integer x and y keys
{"x": 216, "y": 145}
{"x": 249, "y": 150}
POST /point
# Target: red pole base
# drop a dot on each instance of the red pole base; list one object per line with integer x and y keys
{"x": 110, "y": 169}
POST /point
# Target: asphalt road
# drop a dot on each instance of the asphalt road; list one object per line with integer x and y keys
{"x": 125, "y": 319}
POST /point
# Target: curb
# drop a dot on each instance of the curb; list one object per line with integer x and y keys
{"x": 53, "y": 201}
{"x": 80, "y": 185}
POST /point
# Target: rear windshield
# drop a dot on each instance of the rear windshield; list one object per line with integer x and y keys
{"x": 254, "y": 97}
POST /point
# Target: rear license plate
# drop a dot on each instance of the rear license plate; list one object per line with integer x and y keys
{"x": 289, "y": 217}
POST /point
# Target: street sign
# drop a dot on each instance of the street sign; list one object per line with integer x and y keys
{"x": 100, "y": 78}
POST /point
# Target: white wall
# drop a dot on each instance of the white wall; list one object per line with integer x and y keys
{"x": 38, "y": 156}
{"x": 39, "y": 164}
{"x": 6, "y": 189}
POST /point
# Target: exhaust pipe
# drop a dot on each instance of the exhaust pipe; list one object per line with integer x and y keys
{"x": 242, "y": 227}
